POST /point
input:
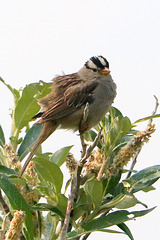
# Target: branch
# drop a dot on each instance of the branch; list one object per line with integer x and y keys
{"x": 83, "y": 160}
{"x": 71, "y": 200}
{"x": 134, "y": 161}
{"x": 84, "y": 146}
{"x": 154, "y": 111}
{"x": 75, "y": 183}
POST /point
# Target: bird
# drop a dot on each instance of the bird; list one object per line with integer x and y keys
{"x": 64, "y": 106}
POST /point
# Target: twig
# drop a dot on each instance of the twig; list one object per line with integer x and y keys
{"x": 5, "y": 207}
{"x": 101, "y": 171}
{"x": 154, "y": 111}
{"x": 134, "y": 161}
{"x": 84, "y": 146}
{"x": 70, "y": 204}
{"x": 91, "y": 147}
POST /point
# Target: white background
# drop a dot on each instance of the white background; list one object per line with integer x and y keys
{"x": 39, "y": 39}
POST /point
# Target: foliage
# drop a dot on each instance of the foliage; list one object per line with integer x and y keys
{"x": 103, "y": 197}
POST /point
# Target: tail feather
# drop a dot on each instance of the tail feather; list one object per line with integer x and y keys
{"x": 48, "y": 129}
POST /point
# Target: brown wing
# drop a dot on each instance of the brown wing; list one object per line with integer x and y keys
{"x": 73, "y": 93}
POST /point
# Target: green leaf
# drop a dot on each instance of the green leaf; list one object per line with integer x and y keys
{"x": 110, "y": 231}
{"x": 3, "y": 158}
{"x": 94, "y": 189}
{"x": 47, "y": 207}
{"x": 121, "y": 126}
{"x": 127, "y": 231}
{"x": 50, "y": 172}
{"x": 13, "y": 90}
{"x": 2, "y": 138}
{"x": 101, "y": 223}
{"x": 6, "y": 171}
{"x": 17, "y": 180}
{"x": 128, "y": 201}
{"x": 147, "y": 118}
{"x": 142, "y": 179}
{"x": 62, "y": 203}
{"x": 50, "y": 227}
{"x": 73, "y": 235}
{"x": 59, "y": 157}
{"x": 114, "y": 218}
{"x": 114, "y": 112}
{"x": 18, "y": 203}
{"x": 111, "y": 183}
{"x": 83, "y": 205}
{"x": 118, "y": 128}
{"x": 121, "y": 201}
{"x": 27, "y": 105}
{"x": 148, "y": 189}
{"x": 30, "y": 138}
{"x": 90, "y": 135}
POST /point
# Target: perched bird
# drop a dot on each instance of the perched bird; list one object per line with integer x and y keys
{"x": 64, "y": 106}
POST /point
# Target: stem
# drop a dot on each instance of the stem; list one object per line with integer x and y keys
{"x": 101, "y": 171}
{"x": 71, "y": 200}
{"x": 5, "y": 207}
{"x": 154, "y": 111}
{"x": 14, "y": 139}
{"x": 134, "y": 161}
{"x": 75, "y": 184}
{"x": 84, "y": 146}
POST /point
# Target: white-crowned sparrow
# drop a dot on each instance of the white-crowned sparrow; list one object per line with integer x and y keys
{"x": 64, "y": 106}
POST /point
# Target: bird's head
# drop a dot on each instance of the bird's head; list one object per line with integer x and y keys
{"x": 98, "y": 64}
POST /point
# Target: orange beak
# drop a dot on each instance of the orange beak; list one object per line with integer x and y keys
{"x": 105, "y": 71}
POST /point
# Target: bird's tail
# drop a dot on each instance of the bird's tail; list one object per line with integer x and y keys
{"x": 48, "y": 129}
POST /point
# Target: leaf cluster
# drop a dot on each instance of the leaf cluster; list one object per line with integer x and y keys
{"x": 100, "y": 204}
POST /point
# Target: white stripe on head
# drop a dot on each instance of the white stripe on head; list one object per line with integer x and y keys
{"x": 91, "y": 65}
{"x": 102, "y": 60}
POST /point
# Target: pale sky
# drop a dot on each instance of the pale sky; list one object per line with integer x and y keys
{"x": 40, "y": 39}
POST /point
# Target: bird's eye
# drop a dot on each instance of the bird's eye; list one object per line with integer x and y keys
{"x": 94, "y": 70}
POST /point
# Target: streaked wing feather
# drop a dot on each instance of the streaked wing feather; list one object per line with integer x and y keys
{"x": 77, "y": 93}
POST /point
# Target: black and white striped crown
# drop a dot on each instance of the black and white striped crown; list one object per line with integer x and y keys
{"x": 97, "y": 63}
